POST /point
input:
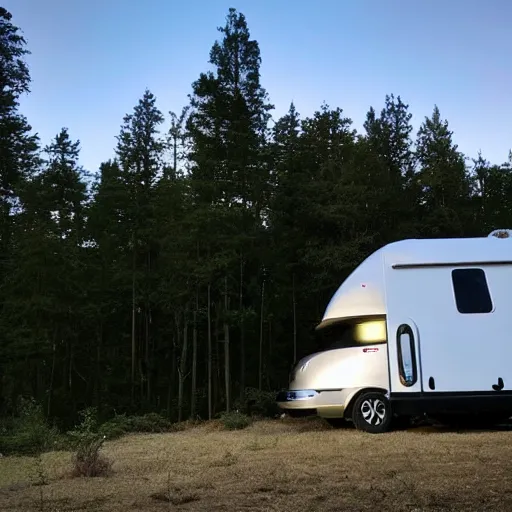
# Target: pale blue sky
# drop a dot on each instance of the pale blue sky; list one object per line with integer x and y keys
{"x": 91, "y": 61}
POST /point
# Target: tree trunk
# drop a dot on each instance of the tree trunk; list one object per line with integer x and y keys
{"x": 193, "y": 393}
{"x": 133, "y": 326}
{"x": 294, "y": 321}
{"x": 97, "y": 377}
{"x": 217, "y": 378}
{"x": 260, "y": 369}
{"x": 242, "y": 332}
{"x": 210, "y": 355}
{"x": 226, "y": 347}
{"x": 182, "y": 368}
{"x": 172, "y": 379}
{"x": 175, "y": 155}
{"x": 269, "y": 355}
{"x": 147, "y": 336}
{"x": 52, "y": 375}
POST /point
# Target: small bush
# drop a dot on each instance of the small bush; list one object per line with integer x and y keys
{"x": 28, "y": 433}
{"x": 235, "y": 420}
{"x": 87, "y": 442}
{"x": 151, "y": 422}
{"x": 88, "y": 461}
{"x": 259, "y": 403}
{"x": 122, "y": 424}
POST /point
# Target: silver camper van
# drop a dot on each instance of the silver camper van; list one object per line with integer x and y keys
{"x": 421, "y": 327}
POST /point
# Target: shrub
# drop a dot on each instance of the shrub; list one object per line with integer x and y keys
{"x": 235, "y": 420}
{"x": 88, "y": 461}
{"x": 87, "y": 442}
{"x": 28, "y": 433}
{"x": 151, "y": 422}
{"x": 259, "y": 403}
{"x": 122, "y": 424}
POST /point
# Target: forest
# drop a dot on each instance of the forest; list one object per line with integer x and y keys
{"x": 186, "y": 275}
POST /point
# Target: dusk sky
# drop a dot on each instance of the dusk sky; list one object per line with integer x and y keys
{"x": 92, "y": 60}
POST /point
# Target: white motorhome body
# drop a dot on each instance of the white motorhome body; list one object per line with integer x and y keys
{"x": 447, "y": 343}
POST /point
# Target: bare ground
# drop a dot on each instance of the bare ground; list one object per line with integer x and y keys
{"x": 276, "y": 466}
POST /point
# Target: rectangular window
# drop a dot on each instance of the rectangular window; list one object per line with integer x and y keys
{"x": 471, "y": 290}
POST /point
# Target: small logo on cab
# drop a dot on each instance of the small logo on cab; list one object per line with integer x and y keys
{"x": 370, "y": 349}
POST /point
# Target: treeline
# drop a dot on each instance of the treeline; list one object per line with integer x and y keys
{"x": 192, "y": 271}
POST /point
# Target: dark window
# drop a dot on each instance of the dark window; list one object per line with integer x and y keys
{"x": 471, "y": 290}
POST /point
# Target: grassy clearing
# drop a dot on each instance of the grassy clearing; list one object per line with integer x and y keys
{"x": 276, "y": 466}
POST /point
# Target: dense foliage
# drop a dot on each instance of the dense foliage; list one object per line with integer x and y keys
{"x": 188, "y": 278}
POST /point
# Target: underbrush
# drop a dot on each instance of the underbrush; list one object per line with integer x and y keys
{"x": 29, "y": 433}
{"x": 88, "y": 461}
{"x": 235, "y": 420}
{"x": 121, "y": 424}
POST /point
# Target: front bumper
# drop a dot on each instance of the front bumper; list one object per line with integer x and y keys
{"x": 325, "y": 403}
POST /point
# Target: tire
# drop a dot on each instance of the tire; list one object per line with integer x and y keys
{"x": 372, "y": 413}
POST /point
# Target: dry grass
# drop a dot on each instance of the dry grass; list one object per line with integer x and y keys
{"x": 278, "y": 466}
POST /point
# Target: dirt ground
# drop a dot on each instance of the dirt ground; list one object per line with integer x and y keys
{"x": 276, "y": 466}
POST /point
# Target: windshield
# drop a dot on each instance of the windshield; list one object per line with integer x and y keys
{"x": 353, "y": 333}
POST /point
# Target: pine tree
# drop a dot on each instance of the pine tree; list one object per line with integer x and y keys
{"x": 492, "y": 197}
{"x": 46, "y": 285}
{"x": 228, "y": 122}
{"x": 444, "y": 181}
{"x": 140, "y": 151}
{"x": 390, "y": 165}
{"x": 109, "y": 267}
{"x": 229, "y": 166}
{"x": 18, "y": 147}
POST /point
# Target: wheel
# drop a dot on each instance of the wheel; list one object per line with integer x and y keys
{"x": 372, "y": 413}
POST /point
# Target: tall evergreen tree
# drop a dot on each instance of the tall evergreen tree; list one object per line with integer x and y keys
{"x": 444, "y": 180}
{"x": 389, "y": 169}
{"x": 229, "y": 166}
{"x": 140, "y": 151}
{"x": 46, "y": 286}
{"x": 18, "y": 146}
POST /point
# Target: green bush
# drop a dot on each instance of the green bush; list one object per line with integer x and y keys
{"x": 28, "y": 433}
{"x": 235, "y": 420}
{"x": 259, "y": 403}
{"x": 151, "y": 422}
{"x": 87, "y": 443}
{"x": 122, "y": 424}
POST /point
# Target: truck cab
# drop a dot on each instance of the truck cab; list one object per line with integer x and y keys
{"x": 352, "y": 357}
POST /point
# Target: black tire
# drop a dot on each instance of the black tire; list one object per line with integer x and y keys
{"x": 372, "y": 413}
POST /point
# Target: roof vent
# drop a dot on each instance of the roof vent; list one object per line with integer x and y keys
{"x": 501, "y": 233}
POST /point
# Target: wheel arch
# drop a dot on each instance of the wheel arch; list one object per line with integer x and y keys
{"x": 349, "y": 405}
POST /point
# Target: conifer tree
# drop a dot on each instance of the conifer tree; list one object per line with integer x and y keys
{"x": 229, "y": 168}
{"x": 140, "y": 151}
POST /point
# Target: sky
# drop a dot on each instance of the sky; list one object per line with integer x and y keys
{"x": 91, "y": 61}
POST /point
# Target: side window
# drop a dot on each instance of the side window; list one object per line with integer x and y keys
{"x": 406, "y": 356}
{"x": 471, "y": 290}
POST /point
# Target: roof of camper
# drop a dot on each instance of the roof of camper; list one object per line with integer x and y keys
{"x": 362, "y": 293}
{"x": 447, "y": 251}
